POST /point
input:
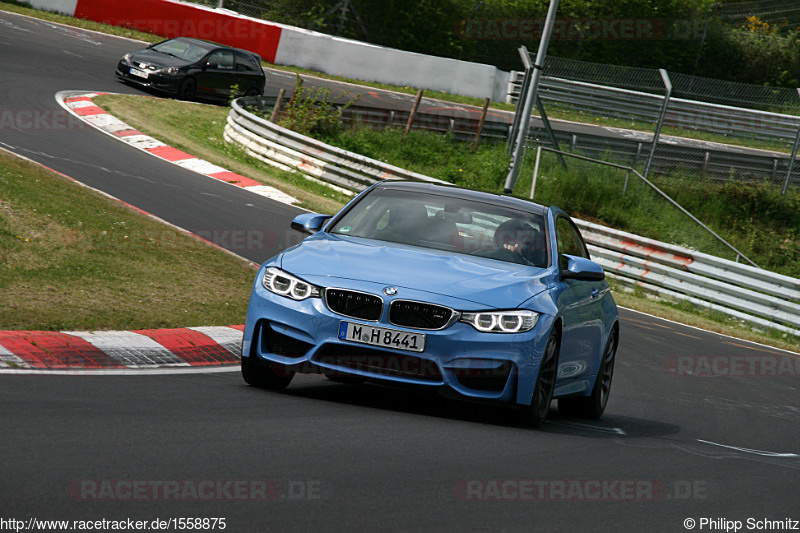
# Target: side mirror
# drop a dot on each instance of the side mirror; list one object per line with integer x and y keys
{"x": 309, "y": 223}
{"x": 582, "y": 269}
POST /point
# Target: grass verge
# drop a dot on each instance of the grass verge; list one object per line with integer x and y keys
{"x": 72, "y": 259}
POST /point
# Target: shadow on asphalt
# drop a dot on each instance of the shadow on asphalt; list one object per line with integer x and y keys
{"x": 424, "y": 402}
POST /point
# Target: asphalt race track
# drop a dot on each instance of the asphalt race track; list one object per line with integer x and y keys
{"x": 699, "y": 426}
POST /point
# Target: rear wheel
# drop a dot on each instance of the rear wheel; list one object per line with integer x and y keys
{"x": 593, "y": 406}
{"x": 271, "y": 376}
{"x": 252, "y": 92}
{"x": 536, "y": 413}
{"x": 188, "y": 89}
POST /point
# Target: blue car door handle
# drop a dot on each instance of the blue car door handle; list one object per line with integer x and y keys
{"x": 595, "y": 293}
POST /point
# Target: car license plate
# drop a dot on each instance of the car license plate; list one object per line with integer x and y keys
{"x": 388, "y": 338}
{"x": 139, "y": 73}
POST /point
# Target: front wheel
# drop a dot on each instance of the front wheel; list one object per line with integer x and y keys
{"x": 536, "y": 413}
{"x": 271, "y": 376}
{"x": 188, "y": 89}
{"x": 593, "y": 406}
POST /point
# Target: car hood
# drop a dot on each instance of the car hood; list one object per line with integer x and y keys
{"x": 486, "y": 282}
{"x": 151, "y": 57}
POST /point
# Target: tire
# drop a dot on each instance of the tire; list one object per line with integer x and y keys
{"x": 188, "y": 89}
{"x": 593, "y": 406}
{"x": 270, "y": 376}
{"x": 252, "y": 92}
{"x": 536, "y": 413}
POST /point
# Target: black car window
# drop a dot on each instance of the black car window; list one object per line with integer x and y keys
{"x": 246, "y": 63}
{"x": 221, "y": 59}
{"x": 181, "y": 49}
{"x": 569, "y": 240}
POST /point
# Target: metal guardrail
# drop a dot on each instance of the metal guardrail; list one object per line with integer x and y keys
{"x": 759, "y": 297}
{"x": 754, "y": 295}
{"x": 686, "y": 156}
{"x": 289, "y": 150}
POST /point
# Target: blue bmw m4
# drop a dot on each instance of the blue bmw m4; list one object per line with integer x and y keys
{"x": 490, "y": 297}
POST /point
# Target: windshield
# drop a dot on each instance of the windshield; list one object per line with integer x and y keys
{"x": 181, "y": 49}
{"x": 451, "y": 224}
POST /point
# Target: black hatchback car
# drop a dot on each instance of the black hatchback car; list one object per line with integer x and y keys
{"x": 193, "y": 68}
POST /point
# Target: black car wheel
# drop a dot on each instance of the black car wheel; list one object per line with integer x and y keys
{"x": 252, "y": 92}
{"x": 536, "y": 413}
{"x": 188, "y": 89}
{"x": 266, "y": 376}
{"x": 594, "y": 405}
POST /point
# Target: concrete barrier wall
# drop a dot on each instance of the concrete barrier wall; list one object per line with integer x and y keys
{"x": 355, "y": 59}
{"x": 287, "y": 45}
{"x": 174, "y": 19}
{"x": 67, "y": 7}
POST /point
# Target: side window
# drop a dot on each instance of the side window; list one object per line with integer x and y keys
{"x": 221, "y": 59}
{"x": 245, "y": 63}
{"x": 569, "y": 241}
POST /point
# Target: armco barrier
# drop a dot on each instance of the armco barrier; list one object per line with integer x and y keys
{"x": 752, "y": 294}
{"x": 289, "y": 150}
{"x": 757, "y": 296}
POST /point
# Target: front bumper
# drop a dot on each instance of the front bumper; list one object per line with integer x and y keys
{"x": 158, "y": 82}
{"x": 304, "y": 336}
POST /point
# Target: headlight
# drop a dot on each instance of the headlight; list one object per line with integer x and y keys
{"x": 282, "y": 283}
{"x": 169, "y": 71}
{"x": 517, "y": 321}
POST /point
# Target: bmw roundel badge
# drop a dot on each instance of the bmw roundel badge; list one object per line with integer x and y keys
{"x": 390, "y": 291}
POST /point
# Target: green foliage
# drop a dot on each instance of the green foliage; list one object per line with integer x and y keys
{"x": 311, "y": 111}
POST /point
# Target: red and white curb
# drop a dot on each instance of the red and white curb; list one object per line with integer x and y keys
{"x": 140, "y": 349}
{"x": 81, "y": 105}
{"x": 212, "y": 346}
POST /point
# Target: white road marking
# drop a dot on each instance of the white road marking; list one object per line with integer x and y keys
{"x": 748, "y": 450}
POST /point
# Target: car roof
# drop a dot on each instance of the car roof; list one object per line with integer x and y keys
{"x": 454, "y": 191}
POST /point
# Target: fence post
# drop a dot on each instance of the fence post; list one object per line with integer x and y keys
{"x": 536, "y": 169}
{"x": 480, "y": 124}
{"x": 668, "y": 85}
{"x": 791, "y": 161}
{"x": 413, "y": 111}
{"x": 530, "y": 99}
{"x": 277, "y": 108}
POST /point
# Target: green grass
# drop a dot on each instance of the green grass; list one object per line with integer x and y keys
{"x": 72, "y": 259}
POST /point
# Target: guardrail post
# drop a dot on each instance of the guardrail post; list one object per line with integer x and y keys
{"x": 413, "y": 113}
{"x": 668, "y": 86}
